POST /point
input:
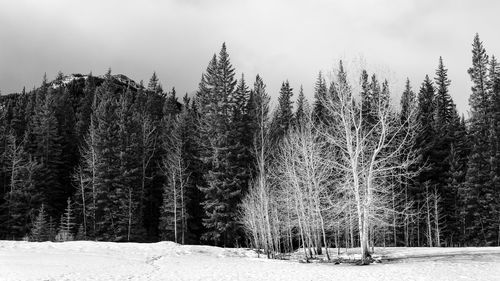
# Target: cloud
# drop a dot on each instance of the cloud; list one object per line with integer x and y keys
{"x": 279, "y": 39}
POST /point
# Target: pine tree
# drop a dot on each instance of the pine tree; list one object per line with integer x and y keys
{"x": 39, "y": 231}
{"x": 494, "y": 140}
{"x": 129, "y": 190}
{"x": 302, "y": 111}
{"x": 407, "y": 117}
{"x": 80, "y": 234}
{"x": 153, "y": 84}
{"x": 320, "y": 96}
{"x": 66, "y": 224}
{"x": 149, "y": 109}
{"x": 366, "y": 98}
{"x": 189, "y": 119}
{"x": 240, "y": 138}
{"x": 424, "y": 141}
{"x": 375, "y": 101}
{"x": 283, "y": 116}
{"x": 259, "y": 111}
{"x": 443, "y": 102}
{"x": 107, "y": 166}
{"x": 479, "y": 194}
{"x": 407, "y": 102}
{"x": 47, "y": 151}
{"x": 22, "y": 198}
{"x": 51, "y": 230}
{"x": 445, "y": 122}
{"x": 84, "y": 108}
{"x": 223, "y": 186}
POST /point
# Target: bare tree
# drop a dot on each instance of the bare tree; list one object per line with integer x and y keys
{"x": 174, "y": 213}
{"x": 148, "y": 147}
{"x": 330, "y": 175}
{"x": 366, "y": 155}
{"x": 307, "y": 175}
{"x": 85, "y": 179}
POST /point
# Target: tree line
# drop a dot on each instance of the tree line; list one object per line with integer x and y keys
{"x": 105, "y": 158}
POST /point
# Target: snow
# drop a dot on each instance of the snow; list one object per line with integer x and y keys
{"x": 85, "y": 260}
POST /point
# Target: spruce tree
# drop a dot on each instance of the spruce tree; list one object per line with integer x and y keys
{"x": 66, "y": 224}
{"x": 445, "y": 122}
{"x": 47, "y": 150}
{"x": 424, "y": 143}
{"x": 259, "y": 111}
{"x": 39, "y": 231}
{"x": 478, "y": 191}
{"x": 283, "y": 115}
{"x": 127, "y": 193}
{"x": 320, "y": 97}
{"x": 443, "y": 102}
{"x": 302, "y": 108}
{"x": 108, "y": 166}
{"x": 223, "y": 188}
{"x": 366, "y": 97}
{"x": 408, "y": 102}
{"x": 22, "y": 198}
{"x": 494, "y": 144}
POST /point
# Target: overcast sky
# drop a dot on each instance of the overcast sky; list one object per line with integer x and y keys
{"x": 282, "y": 39}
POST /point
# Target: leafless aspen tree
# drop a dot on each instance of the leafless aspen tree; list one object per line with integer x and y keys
{"x": 366, "y": 156}
{"x": 85, "y": 178}
{"x": 306, "y": 175}
{"x": 174, "y": 213}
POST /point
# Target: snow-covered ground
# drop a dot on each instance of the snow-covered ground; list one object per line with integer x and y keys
{"x": 85, "y": 260}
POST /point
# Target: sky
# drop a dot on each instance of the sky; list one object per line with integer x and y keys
{"x": 278, "y": 39}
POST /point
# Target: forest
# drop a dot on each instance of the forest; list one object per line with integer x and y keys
{"x": 104, "y": 158}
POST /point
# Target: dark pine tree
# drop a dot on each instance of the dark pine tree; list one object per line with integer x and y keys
{"x": 223, "y": 188}
{"x": 320, "y": 97}
{"x": 283, "y": 115}
{"x": 479, "y": 194}
{"x": 302, "y": 110}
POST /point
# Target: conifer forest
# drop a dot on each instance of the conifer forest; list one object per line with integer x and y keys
{"x": 105, "y": 158}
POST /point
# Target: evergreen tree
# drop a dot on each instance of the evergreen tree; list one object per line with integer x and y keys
{"x": 84, "y": 108}
{"x": 39, "y": 231}
{"x": 445, "y": 122}
{"x": 283, "y": 116}
{"x": 480, "y": 195}
{"x": 149, "y": 111}
{"x": 80, "y": 234}
{"x": 66, "y": 224}
{"x": 51, "y": 230}
{"x": 189, "y": 120}
{"x": 240, "y": 137}
{"x": 302, "y": 108}
{"x": 445, "y": 108}
{"x": 22, "y": 199}
{"x": 366, "y": 98}
{"x": 223, "y": 188}
{"x": 408, "y": 102}
{"x": 107, "y": 166}
{"x": 47, "y": 150}
{"x": 128, "y": 192}
{"x": 494, "y": 144}
{"x": 259, "y": 110}
{"x": 424, "y": 143}
{"x": 320, "y": 96}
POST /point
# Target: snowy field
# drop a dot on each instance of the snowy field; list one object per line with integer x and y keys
{"x": 169, "y": 261}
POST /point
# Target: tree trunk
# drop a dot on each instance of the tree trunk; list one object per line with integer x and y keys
{"x": 436, "y": 218}
{"x": 429, "y": 226}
